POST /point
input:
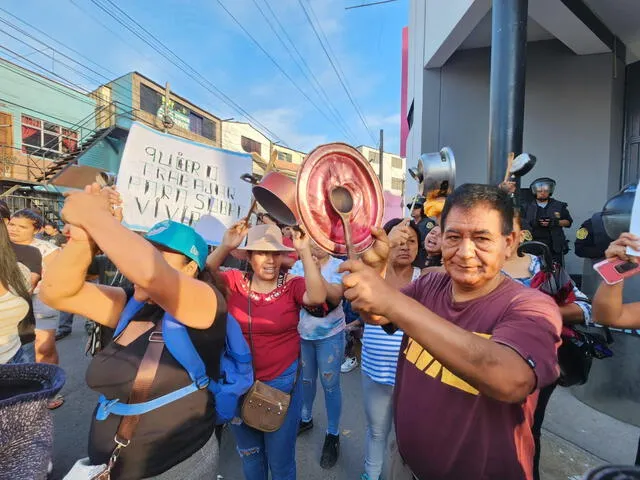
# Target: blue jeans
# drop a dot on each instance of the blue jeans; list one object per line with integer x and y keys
{"x": 275, "y": 451}
{"x": 65, "y": 323}
{"x": 324, "y": 356}
{"x": 378, "y": 407}
{"x": 19, "y": 357}
{"x": 27, "y": 353}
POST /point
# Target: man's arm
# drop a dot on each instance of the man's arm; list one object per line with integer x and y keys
{"x": 607, "y": 302}
{"x": 609, "y": 310}
{"x": 494, "y": 369}
{"x": 565, "y": 217}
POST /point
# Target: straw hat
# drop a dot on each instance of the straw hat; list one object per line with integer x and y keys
{"x": 263, "y": 238}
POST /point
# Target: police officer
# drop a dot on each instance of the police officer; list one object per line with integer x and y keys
{"x": 545, "y": 218}
{"x": 424, "y": 223}
{"x": 591, "y": 242}
{"x": 591, "y": 238}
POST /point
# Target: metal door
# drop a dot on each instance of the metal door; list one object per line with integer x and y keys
{"x": 631, "y": 160}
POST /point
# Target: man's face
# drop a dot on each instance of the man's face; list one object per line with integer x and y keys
{"x": 473, "y": 247}
{"x": 21, "y": 230}
{"x": 50, "y": 230}
{"x": 417, "y": 212}
{"x": 542, "y": 193}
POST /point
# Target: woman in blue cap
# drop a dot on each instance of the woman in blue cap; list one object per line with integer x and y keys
{"x": 166, "y": 267}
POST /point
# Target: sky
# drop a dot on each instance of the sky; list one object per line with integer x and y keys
{"x": 365, "y": 44}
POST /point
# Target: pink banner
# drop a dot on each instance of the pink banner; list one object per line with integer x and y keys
{"x": 393, "y": 207}
{"x": 404, "y": 126}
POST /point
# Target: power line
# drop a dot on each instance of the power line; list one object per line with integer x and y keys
{"x": 274, "y": 61}
{"x": 51, "y": 72}
{"x": 62, "y": 54}
{"x": 370, "y": 4}
{"x": 335, "y": 69}
{"x": 83, "y": 97}
{"x": 56, "y": 41}
{"x": 301, "y": 62}
{"x": 174, "y": 59}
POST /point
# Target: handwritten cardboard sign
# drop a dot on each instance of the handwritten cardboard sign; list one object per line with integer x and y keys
{"x": 163, "y": 177}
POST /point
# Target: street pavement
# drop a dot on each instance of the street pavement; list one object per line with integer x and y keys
{"x": 576, "y": 437}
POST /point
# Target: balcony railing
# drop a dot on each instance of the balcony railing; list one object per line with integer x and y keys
{"x": 18, "y": 166}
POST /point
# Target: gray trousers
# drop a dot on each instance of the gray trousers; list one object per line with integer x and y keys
{"x": 202, "y": 465}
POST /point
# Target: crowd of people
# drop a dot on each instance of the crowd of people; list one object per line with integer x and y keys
{"x": 456, "y": 338}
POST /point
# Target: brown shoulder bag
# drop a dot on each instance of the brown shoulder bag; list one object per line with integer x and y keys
{"x": 264, "y": 407}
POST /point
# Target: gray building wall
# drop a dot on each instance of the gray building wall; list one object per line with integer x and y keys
{"x": 573, "y": 122}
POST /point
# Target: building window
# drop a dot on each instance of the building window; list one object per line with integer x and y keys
{"x": 251, "y": 146}
{"x": 396, "y": 183}
{"x": 196, "y": 123}
{"x": 374, "y": 157}
{"x": 396, "y": 162}
{"x": 209, "y": 129}
{"x": 43, "y": 138}
{"x": 150, "y": 100}
{"x": 285, "y": 157}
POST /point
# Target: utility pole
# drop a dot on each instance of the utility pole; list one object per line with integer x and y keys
{"x": 507, "y": 84}
{"x": 166, "y": 106}
{"x": 381, "y": 154}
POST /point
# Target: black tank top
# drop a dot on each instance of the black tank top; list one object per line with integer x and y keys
{"x": 170, "y": 434}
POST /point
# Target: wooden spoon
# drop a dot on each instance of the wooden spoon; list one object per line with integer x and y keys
{"x": 342, "y": 202}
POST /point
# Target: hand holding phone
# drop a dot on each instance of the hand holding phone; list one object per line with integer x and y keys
{"x": 544, "y": 222}
{"x": 615, "y": 270}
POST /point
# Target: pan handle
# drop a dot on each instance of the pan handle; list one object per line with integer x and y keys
{"x": 249, "y": 178}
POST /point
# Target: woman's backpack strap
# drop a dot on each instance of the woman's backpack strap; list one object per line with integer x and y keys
{"x": 179, "y": 344}
{"x": 132, "y": 307}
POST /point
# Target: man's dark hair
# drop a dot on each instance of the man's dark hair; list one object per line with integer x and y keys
{"x": 395, "y": 221}
{"x": 471, "y": 195}
{"x": 4, "y": 210}
{"x": 37, "y": 220}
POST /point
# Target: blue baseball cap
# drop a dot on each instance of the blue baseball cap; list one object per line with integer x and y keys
{"x": 181, "y": 238}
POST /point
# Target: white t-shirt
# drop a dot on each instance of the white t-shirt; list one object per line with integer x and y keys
{"x": 46, "y": 249}
{"x": 317, "y": 328}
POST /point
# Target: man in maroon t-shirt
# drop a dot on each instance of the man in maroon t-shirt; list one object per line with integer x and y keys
{"x": 476, "y": 349}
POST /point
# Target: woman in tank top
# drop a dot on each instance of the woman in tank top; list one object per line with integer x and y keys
{"x": 167, "y": 269}
{"x": 14, "y": 299}
{"x": 380, "y": 351}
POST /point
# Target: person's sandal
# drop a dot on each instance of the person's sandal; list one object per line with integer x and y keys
{"x": 55, "y": 402}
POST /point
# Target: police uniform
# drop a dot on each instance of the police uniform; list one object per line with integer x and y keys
{"x": 591, "y": 238}
{"x": 424, "y": 226}
{"x": 591, "y": 243}
{"x": 553, "y": 235}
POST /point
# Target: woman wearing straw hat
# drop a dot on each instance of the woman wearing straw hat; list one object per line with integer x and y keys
{"x": 171, "y": 286}
{"x": 267, "y": 304}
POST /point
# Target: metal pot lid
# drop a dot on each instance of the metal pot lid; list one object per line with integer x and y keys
{"x": 329, "y": 166}
{"x": 522, "y": 165}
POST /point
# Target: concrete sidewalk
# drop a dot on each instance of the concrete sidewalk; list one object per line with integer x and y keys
{"x": 576, "y": 437}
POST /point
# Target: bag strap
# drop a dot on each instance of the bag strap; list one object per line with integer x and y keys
{"x": 130, "y": 309}
{"x": 140, "y": 391}
{"x": 179, "y": 344}
{"x": 281, "y": 280}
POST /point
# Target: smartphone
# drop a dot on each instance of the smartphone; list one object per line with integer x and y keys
{"x": 614, "y": 271}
